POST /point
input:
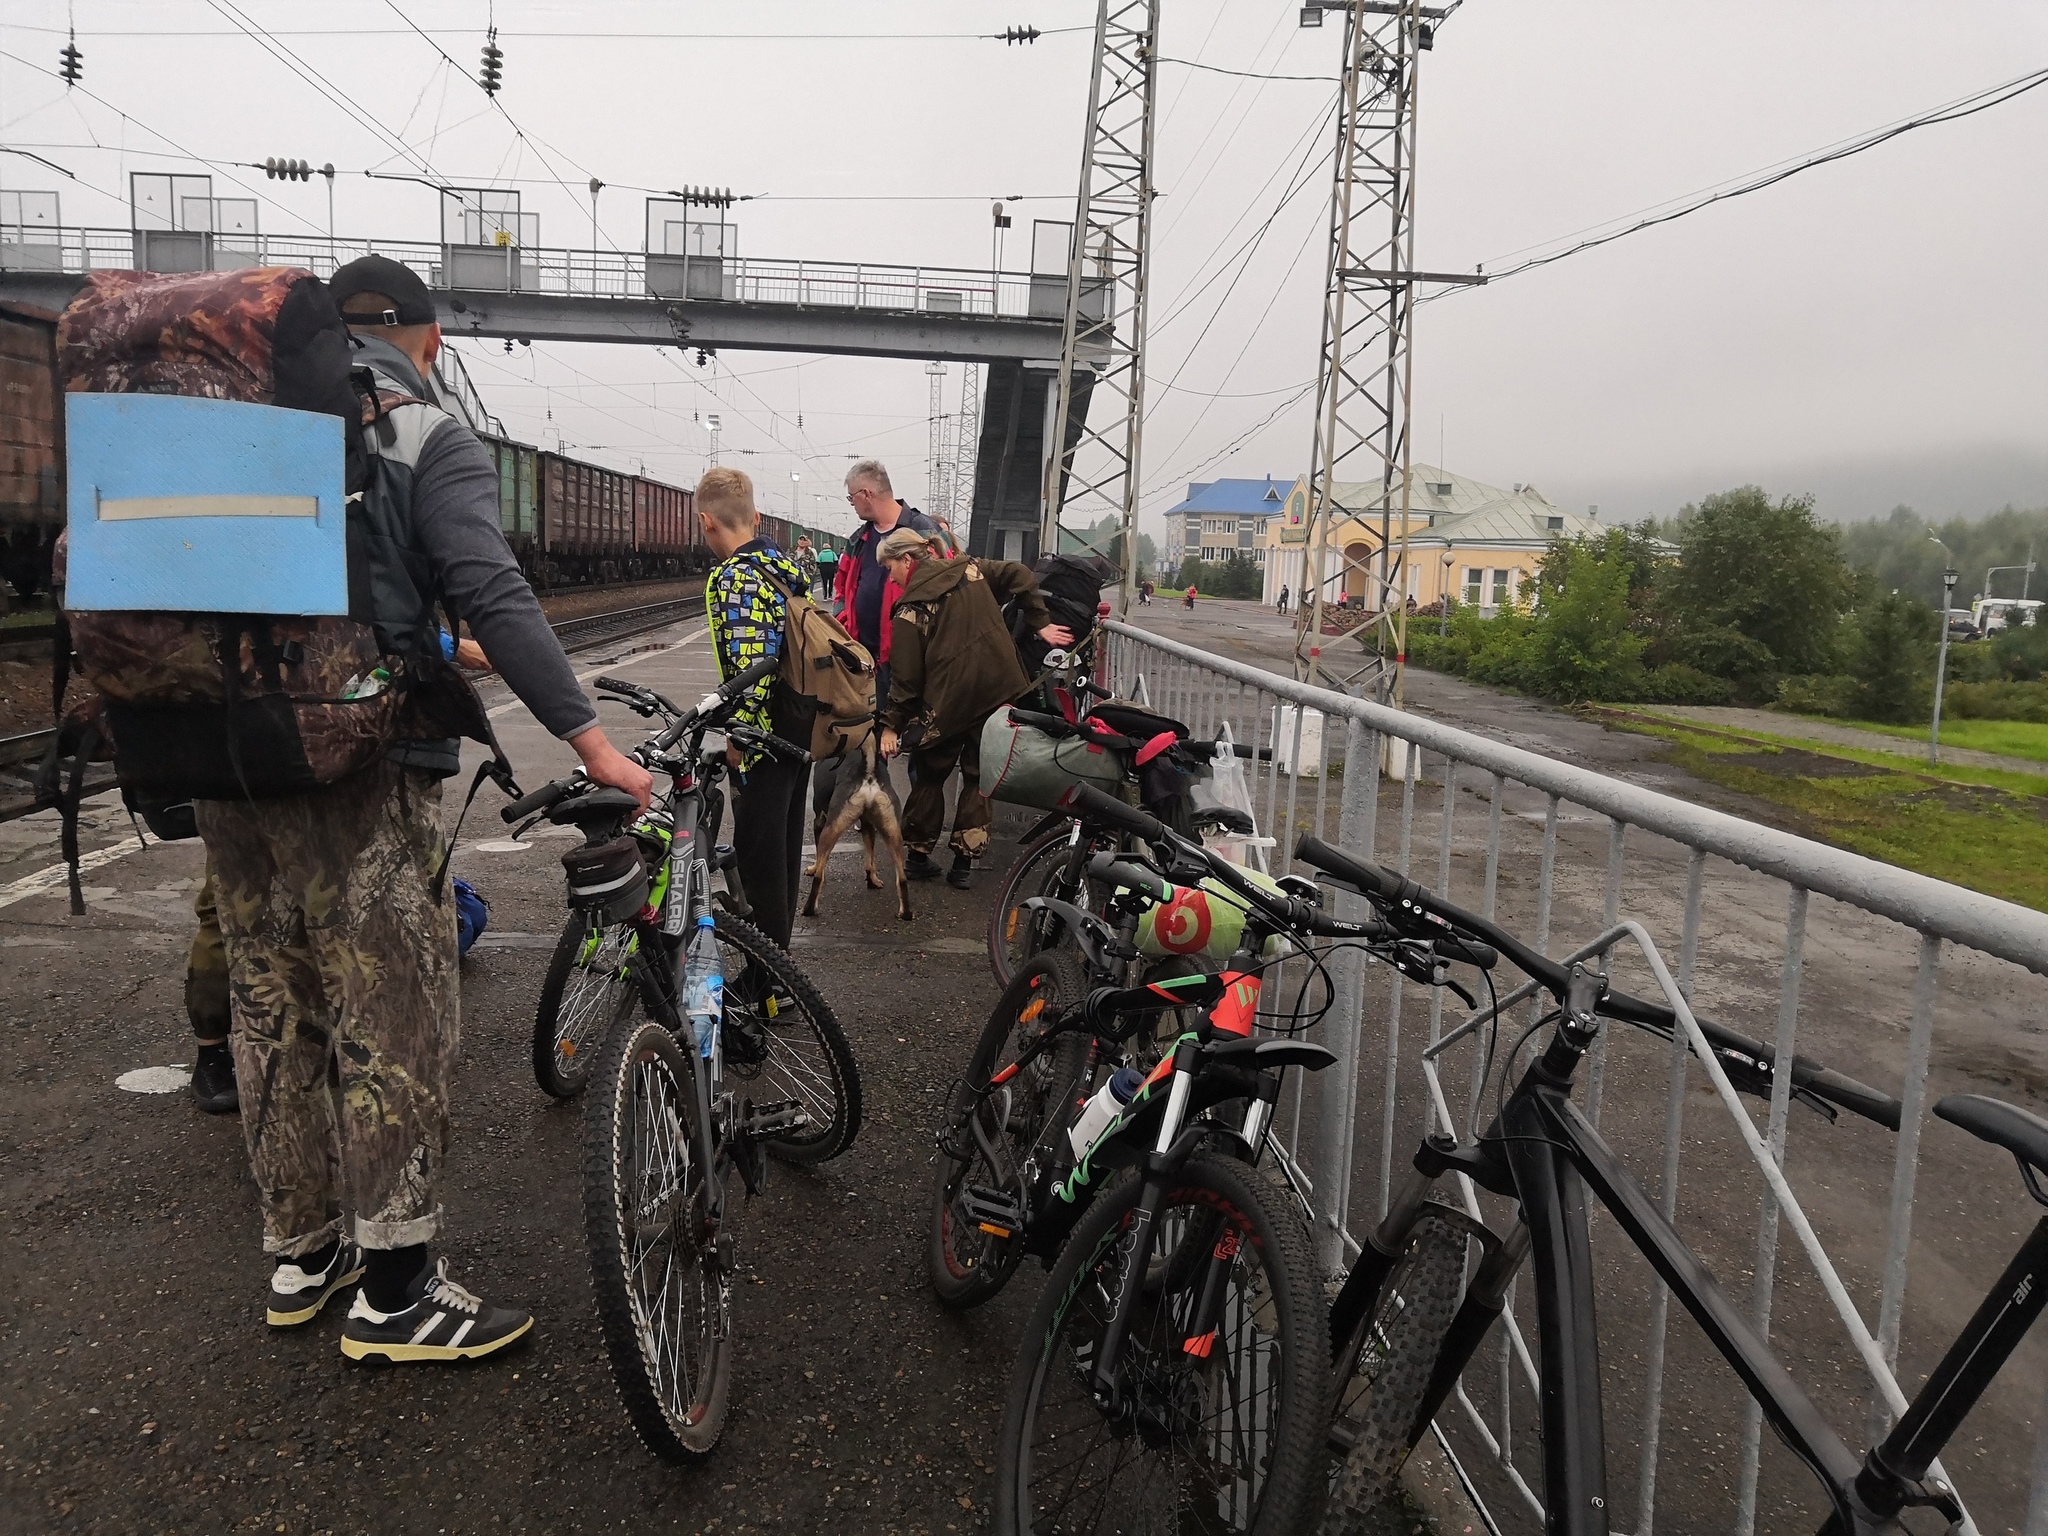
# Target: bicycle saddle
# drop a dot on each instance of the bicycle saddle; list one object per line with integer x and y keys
{"x": 2023, "y": 1134}
{"x": 600, "y": 805}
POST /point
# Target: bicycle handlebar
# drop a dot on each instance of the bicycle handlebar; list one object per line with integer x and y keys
{"x": 768, "y": 741}
{"x": 717, "y": 700}
{"x": 547, "y": 796}
{"x": 1836, "y": 1088}
{"x": 1120, "y": 872}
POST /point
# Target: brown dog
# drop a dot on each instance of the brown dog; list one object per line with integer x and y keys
{"x": 860, "y": 796}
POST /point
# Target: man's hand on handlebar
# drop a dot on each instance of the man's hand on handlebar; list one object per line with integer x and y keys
{"x": 606, "y": 764}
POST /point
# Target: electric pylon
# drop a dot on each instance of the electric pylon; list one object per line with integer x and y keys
{"x": 1362, "y": 390}
{"x": 967, "y": 448}
{"x": 1107, "y": 266}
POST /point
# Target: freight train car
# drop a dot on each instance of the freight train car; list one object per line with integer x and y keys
{"x": 31, "y": 447}
{"x": 518, "y": 497}
{"x": 664, "y": 528}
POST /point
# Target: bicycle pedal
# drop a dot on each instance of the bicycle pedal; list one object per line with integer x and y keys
{"x": 997, "y": 1214}
{"x": 765, "y": 1122}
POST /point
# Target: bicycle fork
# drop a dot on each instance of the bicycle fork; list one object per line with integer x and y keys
{"x": 1159, "y": 1167}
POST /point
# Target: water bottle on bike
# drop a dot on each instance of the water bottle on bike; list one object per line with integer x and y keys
{"x": 703, "y": 985}
{"x": 1110, "y": 1100}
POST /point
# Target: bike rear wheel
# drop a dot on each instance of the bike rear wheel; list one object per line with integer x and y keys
{"x": 1015, "y": 935}
{"x": 663, "y": 1302}
{"x": 782, "y": 1042}
{"x": 997, "y": 1133}
{"x": 587, "y": 990}
{"x": 1397, "y": 1347}
{"x": 1225, "y": 1438}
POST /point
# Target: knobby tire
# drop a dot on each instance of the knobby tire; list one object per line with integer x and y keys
{"x": 663, "y": 1304}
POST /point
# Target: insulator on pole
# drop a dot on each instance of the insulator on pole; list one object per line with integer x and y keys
{"x": 1020, "y": 35}
{"x": 71, "y": 62}
{"x": 491, "y": 75}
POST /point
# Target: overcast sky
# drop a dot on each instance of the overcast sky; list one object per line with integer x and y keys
{"x": 1871, "y": 332}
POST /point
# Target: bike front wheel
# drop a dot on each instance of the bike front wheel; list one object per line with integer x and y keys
{"x": 662, "y": 1294}
{"x": 783, "y": 1043}
{"x": 1393, "y": 1357}
{"x": 587, "y": 990}
{"x": 1220, "y": 1432}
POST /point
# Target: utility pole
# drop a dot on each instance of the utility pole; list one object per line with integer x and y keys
{"x": 935, "y": 454}
{"x": 1106, "y": 306}
{"x": 1367, "y": 368}
{"x": 1948, "y": 597}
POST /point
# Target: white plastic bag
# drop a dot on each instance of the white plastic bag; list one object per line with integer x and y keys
{"x": 1226, "y": 784}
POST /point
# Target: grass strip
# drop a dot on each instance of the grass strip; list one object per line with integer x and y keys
{"x": 1983, "y": 829}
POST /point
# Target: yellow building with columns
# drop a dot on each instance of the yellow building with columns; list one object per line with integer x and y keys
{"x": 1477, "y": 541}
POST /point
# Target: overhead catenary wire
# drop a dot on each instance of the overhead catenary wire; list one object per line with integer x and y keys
{"x": 1954, "y": 111}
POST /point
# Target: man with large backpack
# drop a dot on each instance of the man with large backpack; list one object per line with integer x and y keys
{"x": 340, "y": 934}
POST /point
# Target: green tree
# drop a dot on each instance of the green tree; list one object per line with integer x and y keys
{"x": 1766, "y": 572}
{"x": 1581, "y": 641}
{"x": 1224, "y": 578}
{"x": 1891, "y": 650}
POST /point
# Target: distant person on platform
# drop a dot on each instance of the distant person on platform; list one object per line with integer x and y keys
{"x": 1281, "y": 606}
{"x": 806, "y": 561}
{"x": 859, "y": 584}
{"x": 1187, "y": 598}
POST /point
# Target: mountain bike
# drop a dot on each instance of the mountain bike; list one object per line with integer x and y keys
{"x": 673, "y": 1112}
{"x": 1178, "y": 1349}
{"x": 1410, "y": 1317}
{"x": 796, "y": 1045}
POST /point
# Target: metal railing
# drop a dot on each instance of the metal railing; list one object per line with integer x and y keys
{"x": 557, "y": 271}
{"x": 1844, "y": 959}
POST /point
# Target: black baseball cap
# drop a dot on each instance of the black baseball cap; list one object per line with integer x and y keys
{"x": 410, "y": 303}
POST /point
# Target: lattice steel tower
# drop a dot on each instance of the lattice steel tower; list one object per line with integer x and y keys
{"x": 1362, "y": 391}
{"x": 1107, "y": 267}
{"x": 966, "y": 449}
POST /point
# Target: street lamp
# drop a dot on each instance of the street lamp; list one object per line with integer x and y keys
{"x": 1948, "y": 592}
{"x": 1443, "y": 624}
{"x": 794, "y": 476}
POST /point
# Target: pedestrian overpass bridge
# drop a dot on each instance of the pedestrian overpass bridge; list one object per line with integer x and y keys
{"x": 1010, "y": 322}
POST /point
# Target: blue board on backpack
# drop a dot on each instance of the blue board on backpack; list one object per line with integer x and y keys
{"x": 190, "y": 505}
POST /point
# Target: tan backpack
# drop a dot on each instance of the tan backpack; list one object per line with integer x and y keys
{"x": 824, "y": 665}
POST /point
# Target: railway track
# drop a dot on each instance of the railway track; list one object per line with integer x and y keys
{"x": 21, "y": 752}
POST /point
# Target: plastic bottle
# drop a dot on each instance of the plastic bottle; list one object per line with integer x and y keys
{"x": 703, "y": 985}
{"x": 1110, "y": 1100}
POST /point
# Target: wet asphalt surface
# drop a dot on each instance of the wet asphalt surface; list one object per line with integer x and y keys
{"x": 141, "y": 1391}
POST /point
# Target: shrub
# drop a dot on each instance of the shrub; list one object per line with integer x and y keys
{"x": 1677, "y": 683}
{"x": 2021, "y": 654}
{"x": 1820, "y": 695}
{"x": 1438, "y": 655}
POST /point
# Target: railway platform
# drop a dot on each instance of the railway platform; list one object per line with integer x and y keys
{"x": 141, "y": 1391}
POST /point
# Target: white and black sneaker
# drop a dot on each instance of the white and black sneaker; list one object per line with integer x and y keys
{"x": 443, "y": 1323}
{"x": 297, "y": 1294}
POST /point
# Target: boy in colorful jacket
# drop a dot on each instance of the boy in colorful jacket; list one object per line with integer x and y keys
{"x": 746, "y": 602}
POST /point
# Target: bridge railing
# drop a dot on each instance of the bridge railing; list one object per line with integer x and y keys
{"x": 555, "y": 271}
{"x": 1838, "y": 957}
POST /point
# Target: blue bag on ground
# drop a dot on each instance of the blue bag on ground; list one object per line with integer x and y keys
{"x": 472, "y": 916}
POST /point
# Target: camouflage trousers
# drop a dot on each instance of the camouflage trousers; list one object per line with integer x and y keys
{"x": 345, "y": 1003}
{"x": 924, "y": 813}
{"x": 206, "y": 970}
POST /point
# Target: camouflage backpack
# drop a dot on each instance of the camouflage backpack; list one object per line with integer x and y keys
{"x": 219, "y": 706}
